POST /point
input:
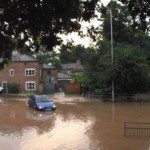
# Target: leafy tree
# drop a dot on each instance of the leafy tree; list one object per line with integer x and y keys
{"x": 46, "y": 56}
{"x": 140, "y": 12}
{"x": 56, "y": 62}
{"x": 130, "y": 70}
{"x": 66, "y": 53}
{"x": 90, "y": 69}
{"x": 38, "y": 22}
{"x": 70, "y": 53}
{"x": 77, "y": 77}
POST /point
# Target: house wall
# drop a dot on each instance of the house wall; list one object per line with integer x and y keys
{"x": 68, "y": 71}
{"x": 19, "y": 74}
{"x": 47, "y": 73}
{"x": 74, "y": 68}
{"x": 52, "y": 73}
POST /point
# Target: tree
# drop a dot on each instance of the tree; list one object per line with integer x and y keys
{"x": 130, "y": 70}
{"x": 38, "y": 22}
{"x": 140, "y": 12}
{"x": 70, "y": 53}
{"x": 66, "y": 54}
{"x": 91, "y": 68}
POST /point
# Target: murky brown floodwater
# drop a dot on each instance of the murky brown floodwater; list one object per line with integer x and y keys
{"x": 73, "y": 126}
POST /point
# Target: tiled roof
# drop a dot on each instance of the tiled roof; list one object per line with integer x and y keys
{"x": 63, "y": 76}
{"x": 69, "y": 66}
{"x": 23, "y": 57}
{"x": 73, "y": 66}
{"x": 26, "y": 58}
{"x": 46, "y": 66}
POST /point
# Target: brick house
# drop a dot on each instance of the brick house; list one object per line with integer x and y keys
{"x": 70, "y": 68}
{"x": 28, "y": 73}
{"x": 64, "y": 77}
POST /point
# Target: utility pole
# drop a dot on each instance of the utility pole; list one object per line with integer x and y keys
{"x": 112, "y": 53}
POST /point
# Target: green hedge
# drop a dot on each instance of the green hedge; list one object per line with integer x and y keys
{"x": 13, "y": 87}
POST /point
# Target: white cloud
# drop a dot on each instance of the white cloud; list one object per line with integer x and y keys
{"x": 75, "y": 37}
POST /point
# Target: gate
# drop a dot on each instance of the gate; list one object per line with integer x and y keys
{"x": 48, "y": 88}
{"x": 136, "y": 129}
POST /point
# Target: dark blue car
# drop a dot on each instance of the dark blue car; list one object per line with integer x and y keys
{"x": 41, "y": 102}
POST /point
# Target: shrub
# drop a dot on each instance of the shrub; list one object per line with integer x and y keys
{"x": 13, "y": 87}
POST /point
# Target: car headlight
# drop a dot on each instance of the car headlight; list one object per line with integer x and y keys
{"x": 40, "y": 107}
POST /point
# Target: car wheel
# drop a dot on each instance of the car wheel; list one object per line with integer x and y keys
{"x": 35, "y": 107}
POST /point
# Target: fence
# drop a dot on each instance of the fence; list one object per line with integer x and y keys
{"x": 109, "y": 96}
{"x": 136, "y": 129}
{"x": 119, "y": 97}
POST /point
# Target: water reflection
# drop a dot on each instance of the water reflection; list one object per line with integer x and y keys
{"x": 73, "y": 126}
{"x": 39, "y": 116}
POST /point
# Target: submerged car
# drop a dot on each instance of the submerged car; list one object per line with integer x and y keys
{"x": 41, "y": 102}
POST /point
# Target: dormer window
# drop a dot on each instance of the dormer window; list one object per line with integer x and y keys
{"x": 11, "y": 72}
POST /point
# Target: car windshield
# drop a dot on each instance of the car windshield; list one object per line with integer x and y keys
{"x": 42, "y": 99}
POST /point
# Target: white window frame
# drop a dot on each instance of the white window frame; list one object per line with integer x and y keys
{"x": 30, "y": 72}
{"x": 30, "y": 87}
{"x": 11, "y": 72}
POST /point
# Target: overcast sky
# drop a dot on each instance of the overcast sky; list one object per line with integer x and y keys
{"x": 105, "y": 2}
{"x": 74, "y": 36}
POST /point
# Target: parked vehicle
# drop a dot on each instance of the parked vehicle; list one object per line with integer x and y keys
{"x": 1, "y": 89}
{"x": 41, "y": 102}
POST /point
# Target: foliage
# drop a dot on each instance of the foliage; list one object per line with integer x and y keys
{"x": 39, "y": 22}
{"x": 77, "y": 77}
{"x": 90, "y": 69}
{"x": 46, "y": 56}
{"x": 13, "y": 87}
{"x": 56, "y": 62}
{"x": 140, "y": 12}
{"x": 43, "y": 80}
{"x": 70, "y": 53}
{"x": 130, "y": 69}
{"x": 66, "y": 54}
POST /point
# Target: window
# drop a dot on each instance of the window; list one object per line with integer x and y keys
{"x": 30, "y": 86}
{"x": 30, "y": 72}
{"x": 11, "y": 72}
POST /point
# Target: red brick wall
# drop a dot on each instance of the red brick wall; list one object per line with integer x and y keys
{"x": 53, "y": 73}
{"x": 19, "y": 74}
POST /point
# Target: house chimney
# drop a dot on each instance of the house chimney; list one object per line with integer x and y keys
{"x": 78, "y": 64}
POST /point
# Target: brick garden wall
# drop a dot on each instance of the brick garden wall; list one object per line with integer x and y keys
{"x": 72, "y": 88}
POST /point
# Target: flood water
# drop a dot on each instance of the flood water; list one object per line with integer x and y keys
{"x": 73, "y": 126}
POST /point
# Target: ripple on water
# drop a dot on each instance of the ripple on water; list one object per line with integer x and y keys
{"x": 83, "y": 126}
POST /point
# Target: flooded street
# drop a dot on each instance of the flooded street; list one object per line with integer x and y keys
{"x": 73, "y": 126}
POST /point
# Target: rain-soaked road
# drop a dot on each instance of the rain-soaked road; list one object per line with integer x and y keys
{"x": 77, "y": 124}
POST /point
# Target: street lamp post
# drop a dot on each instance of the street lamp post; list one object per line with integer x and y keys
{"x": 112, "y": 53}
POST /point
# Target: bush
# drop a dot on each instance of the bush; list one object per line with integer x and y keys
{"x": 13, "y": 87}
